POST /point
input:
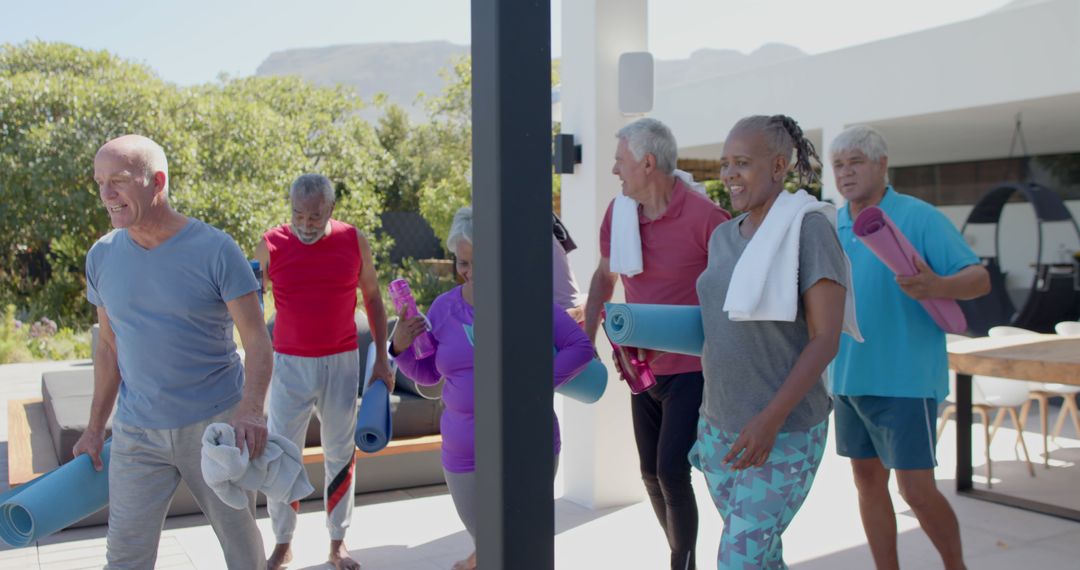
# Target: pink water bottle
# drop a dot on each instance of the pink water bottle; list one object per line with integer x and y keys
{"x": 423, "y": 346}
{"x": 637, "y": 373}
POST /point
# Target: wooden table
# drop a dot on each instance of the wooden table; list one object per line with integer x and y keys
{"x": 1039, "y": 358}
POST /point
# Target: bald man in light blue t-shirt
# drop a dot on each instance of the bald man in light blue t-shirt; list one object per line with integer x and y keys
{"x": 168, "y": 289}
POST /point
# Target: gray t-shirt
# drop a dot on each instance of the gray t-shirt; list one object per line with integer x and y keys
{"x": 746, "y": 362}
{"x": 174, "y": 333}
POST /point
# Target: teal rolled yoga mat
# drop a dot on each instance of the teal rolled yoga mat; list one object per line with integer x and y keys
{"x": 667, "y": 328}
{"x": 55, "y": 500}
{"x": 588, "y": 385}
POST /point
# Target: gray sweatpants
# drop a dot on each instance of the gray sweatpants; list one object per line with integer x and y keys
{"x": 462, "y": 488}
{"x": 145, "y": 468}
{"x": 327, "y": 385}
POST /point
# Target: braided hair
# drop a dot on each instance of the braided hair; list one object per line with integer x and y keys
{"x": 784, "y": 136}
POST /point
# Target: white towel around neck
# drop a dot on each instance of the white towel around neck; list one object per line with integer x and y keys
{"x": 626, "y": 232}
{"x": 765, "y": 282}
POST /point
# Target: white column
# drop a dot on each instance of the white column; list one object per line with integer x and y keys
{"x": 599, "y": 460}
{"x": 829, "y": 190}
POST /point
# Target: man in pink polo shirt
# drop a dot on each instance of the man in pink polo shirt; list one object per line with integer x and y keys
{"x": 675, "y": 223}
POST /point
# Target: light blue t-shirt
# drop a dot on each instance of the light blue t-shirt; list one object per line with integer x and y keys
{"x": 904, "y": 353}
{"x": 174, "y": 335}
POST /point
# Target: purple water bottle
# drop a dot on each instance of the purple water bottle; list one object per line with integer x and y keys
{"x": 405, "y": 305}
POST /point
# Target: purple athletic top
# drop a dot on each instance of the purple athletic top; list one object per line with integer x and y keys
{"x": 453, "y": 360}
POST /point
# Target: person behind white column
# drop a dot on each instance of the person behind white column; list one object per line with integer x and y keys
{"x": 168, "y": 289}
{"x": 314, "y": 266}
{"x": 563, "y": 284}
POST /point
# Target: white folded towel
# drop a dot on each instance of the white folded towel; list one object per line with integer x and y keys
{"x": 765, "y": 283}
{"x": 278, "y": 473}
{"x": 625, "y": 237}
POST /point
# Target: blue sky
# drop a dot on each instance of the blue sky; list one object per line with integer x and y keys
{"x": 192, "y": 41}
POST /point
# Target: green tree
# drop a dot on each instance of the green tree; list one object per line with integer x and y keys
{"x": 447, "y": 139}
{"x": 447, "y": 143}
{"x": 233, "y": 148}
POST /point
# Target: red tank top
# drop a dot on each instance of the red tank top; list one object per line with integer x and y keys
{"x": 314, "y": 290}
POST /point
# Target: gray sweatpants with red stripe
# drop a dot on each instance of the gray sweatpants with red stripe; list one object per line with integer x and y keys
{"x": 328, "y": 386}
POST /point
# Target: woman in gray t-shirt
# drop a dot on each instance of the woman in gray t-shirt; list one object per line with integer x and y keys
{"x": 764, "y": 413}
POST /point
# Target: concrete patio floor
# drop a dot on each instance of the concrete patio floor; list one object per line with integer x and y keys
{"x": 418, "y": 528}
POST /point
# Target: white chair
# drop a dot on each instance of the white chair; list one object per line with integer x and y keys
{"x": 1068, "y": 328}
{"x": 1042, "y": 392}
{"x": 987, "y": 395}
{"x": 1066, "y": 391}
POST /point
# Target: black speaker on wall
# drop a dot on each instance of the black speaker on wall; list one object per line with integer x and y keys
{"x": 567, "y": 154}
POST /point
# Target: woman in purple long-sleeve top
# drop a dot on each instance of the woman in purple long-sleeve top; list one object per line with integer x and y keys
{"x": 451, "y": 316}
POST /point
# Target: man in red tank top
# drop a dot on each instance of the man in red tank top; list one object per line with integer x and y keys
{"x": 314, "y": 266}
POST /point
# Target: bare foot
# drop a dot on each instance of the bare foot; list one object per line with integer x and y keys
{"x": 339, "y": 556}
{"x": 467, "y": 564}
{"x": 281, "y": 556}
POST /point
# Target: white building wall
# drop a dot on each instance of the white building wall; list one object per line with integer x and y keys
{"x": 1011, "y": 55}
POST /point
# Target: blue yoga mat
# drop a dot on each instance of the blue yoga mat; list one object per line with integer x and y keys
{"x": 667, "y": 328}
{"x": 373, "y": 427}
{"x": 588, "y": 385}
{"x": 55, "y": 500}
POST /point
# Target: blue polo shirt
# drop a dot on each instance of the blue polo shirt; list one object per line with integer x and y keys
{"x": 904, "y": 353}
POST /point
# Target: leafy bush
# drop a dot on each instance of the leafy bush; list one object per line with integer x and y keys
{"x": 40, "y": 340}
{"x": 426, "y": 283}
{"x": 233, "y": 148}
{"x": 719, "y": 193}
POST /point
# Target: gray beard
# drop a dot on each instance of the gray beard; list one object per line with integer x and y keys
{"x": 303, "y": 238}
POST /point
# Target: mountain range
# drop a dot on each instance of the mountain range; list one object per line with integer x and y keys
{"x": 402, "y": 71}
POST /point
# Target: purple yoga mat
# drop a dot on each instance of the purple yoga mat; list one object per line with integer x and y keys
{"x": 881, "y": 235}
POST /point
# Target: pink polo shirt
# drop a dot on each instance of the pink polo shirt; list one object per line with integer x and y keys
{"x": 674, "y": 252}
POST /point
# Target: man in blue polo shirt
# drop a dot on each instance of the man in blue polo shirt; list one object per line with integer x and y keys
{"x": 887, "y": 389}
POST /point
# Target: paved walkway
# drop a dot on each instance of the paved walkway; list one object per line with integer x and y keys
{"x": 417, "y": 529}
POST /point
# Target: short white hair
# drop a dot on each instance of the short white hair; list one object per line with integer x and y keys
{"x": 650, "y": 136}
{"x": 862, "y": 138}
{"x": 307, "y": 185}
{"x": 460, "y": 228}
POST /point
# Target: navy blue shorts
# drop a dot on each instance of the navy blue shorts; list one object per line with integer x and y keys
{"x": 899, "y": 431}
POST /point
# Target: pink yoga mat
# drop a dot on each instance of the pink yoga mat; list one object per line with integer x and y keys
{"x": 881, "y": 235}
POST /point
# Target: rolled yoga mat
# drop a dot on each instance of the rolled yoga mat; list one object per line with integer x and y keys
{"x": 373, "y": 426}
{"x": 892, "y": 247}
{"x": 586, "y": 387}
{"x": 667, "y": 328}
{"x": 54, "y": 500}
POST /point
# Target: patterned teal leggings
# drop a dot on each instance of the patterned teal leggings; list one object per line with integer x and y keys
{"x": 758, "y": 503}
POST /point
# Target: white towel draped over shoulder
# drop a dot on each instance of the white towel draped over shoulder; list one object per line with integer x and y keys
{"x": 278, "y": 472}
{"x": 688, "y": 179}
{"x": 765, "y": 283}
{"x": 625, "y": 237}
{"x": 626, "y": 231}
